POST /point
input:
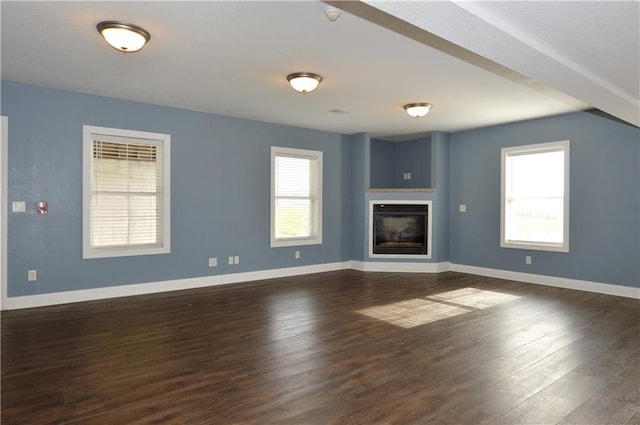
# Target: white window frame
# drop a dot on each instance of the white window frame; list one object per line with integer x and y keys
{"x": 563, "y": 146}
{"x": 316, "y": 237}
{"x": 91, "y": 133}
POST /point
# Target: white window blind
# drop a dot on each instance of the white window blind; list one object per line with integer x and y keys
{"x": 127, "y": 210}
{"x": 296, "y": 197}
{"x": 535, "y": 196}
{"x": 126, "y": 194}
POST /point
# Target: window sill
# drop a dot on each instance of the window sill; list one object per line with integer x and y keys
{"x": 90, "y": 253}
{"x": 295, "y": 242}
{"x": 402, "y": 190}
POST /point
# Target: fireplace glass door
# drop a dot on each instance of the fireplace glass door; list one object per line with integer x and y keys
{"x": 400, "y": 229}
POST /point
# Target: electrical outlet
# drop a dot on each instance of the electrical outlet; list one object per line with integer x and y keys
{"x": 527, "y": 259}
{"x": 462, "y": 207}
{"x": 32, "y": 275}
{"x": 231, "y": 259}
{"x": 297, "y": 255}
{"x": 236, "y": 259}
{"x": 213, "y": 262}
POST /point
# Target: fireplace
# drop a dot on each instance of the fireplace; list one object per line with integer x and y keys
{"x": 400, "y": 229}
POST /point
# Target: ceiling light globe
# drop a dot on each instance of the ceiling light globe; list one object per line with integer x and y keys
{"x": 126, "y": 38}
{"x": 419, "y": 109}
{"x": 304, "y": 82}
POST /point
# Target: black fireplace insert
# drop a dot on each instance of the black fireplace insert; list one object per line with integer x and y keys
{"x": 400, "y": 229}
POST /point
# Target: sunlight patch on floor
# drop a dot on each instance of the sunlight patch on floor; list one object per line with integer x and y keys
{"x": 414, "y": 312}
{"x": 419, "y": 311}
{"x": 473, "y": 297}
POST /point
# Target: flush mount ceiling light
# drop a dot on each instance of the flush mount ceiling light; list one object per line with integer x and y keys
{"x": 304, "y": 82}
{"x": 126, "y": 38}
{"x": 419, "y": 109}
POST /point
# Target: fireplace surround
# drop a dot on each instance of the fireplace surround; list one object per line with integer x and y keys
{"x": 400, "y": 229}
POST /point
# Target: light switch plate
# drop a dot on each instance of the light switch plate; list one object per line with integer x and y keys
{"x": 18, "y": 206}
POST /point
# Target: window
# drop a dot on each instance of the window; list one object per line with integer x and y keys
{"x": 125, "y": 192}
{"x": 296, "y": 197}
{"x": 535, "y": 197}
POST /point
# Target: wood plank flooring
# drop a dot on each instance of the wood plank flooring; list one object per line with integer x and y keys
{"x": 342, "y": 347}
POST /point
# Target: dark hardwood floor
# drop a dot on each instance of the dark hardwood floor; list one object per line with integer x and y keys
{"x": 341, "y": 347}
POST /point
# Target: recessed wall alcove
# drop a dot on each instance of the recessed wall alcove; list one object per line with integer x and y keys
{"x": 400, "y": 164}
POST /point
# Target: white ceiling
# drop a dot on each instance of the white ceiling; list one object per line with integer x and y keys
{"x": 479, "y": 63}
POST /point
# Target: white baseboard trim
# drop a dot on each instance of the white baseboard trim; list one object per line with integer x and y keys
{"x": 55, "y": 298}
{"x": 396, "y": 267}
{"x": 558, "y": 282}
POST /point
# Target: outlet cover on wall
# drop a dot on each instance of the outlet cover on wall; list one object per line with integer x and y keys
{"x": 32, "y": 275}
{"x": 213, "y": 262}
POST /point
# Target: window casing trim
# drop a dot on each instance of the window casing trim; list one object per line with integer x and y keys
{"x": 89, "y": 135}
{"x": 316, "y": 236}
{"x": 559, "y": 146}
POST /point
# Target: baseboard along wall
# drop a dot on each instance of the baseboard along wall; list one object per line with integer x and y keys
{"x": 56, "y": 298}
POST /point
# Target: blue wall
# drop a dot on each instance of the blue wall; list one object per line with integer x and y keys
{"x": 440, "y": 163}
{"x": 360, "y": 178}
{"x": 220, "y": 194}
{"x": 219, "y": 191}
{"x": 413, "y": 156}
{"x": 604, "y": 227}
{"x": 383, "y": 163}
